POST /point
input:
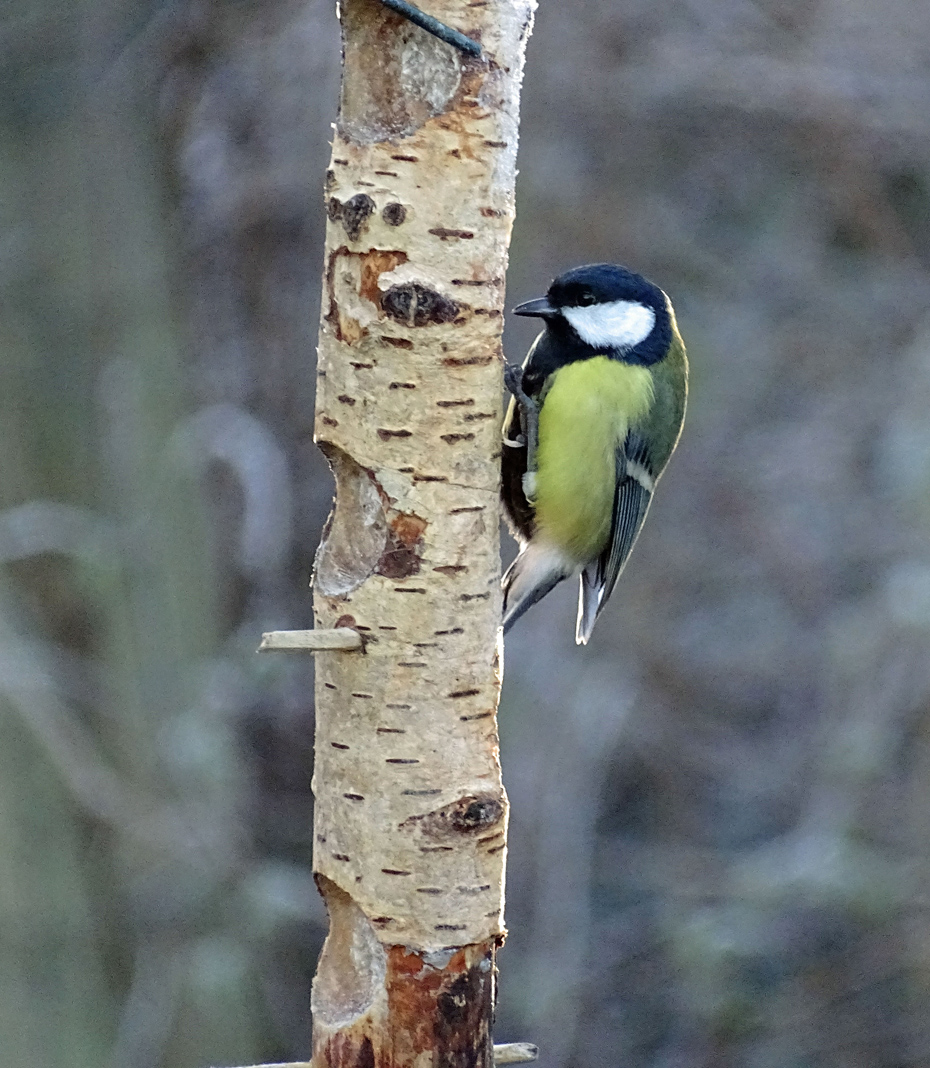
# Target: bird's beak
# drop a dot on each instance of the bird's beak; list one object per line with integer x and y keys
{"x": 540, "y": 307}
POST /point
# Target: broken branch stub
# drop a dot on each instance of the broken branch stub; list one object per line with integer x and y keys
{"x": 311, "y": 641}
{"x": 411, "y": 815}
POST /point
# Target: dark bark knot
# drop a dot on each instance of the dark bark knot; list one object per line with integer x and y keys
{"x": 471, "y": 814}
{"x": 414, "y": 304}
{"x": 394, "y": 213}
{"x": 481, "y": 813}
{"x": 401, "y": 555}
{"x": 354, "y": 214}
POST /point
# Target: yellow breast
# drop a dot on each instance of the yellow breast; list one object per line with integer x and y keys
{"x": 585, "y": 416}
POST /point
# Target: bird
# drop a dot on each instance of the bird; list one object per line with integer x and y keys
{"x": 596, "y": 413}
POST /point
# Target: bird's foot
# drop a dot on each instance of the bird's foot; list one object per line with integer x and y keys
{"x": 513, "y": 380}
{"x": 529, "y": 418}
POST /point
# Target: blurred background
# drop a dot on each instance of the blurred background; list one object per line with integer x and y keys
{"x": 720, "y": 837}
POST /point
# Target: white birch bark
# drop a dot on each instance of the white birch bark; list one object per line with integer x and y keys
{"x": 411, "y": 814}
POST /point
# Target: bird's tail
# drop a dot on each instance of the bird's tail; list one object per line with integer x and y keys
{"x": 589, "y": 604}
{"x": 537, "y": 570}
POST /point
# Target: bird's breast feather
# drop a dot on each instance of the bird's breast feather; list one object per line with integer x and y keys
{"x": 588, "y": 408}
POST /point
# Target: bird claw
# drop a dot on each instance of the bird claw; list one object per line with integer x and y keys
{"x": 529, "y": 419}
{"x": 513, "y": 380}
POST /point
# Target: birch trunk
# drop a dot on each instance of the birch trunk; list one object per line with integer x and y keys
{"x": 411, "y": 814}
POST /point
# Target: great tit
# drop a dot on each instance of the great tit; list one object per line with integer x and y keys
{"x": 597, "y": 410}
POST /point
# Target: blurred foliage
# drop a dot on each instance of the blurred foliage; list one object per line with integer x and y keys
{"x": 720, "y": 823}
{"x": 159, "y": 503}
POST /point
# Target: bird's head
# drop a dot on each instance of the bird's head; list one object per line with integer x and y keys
{"x": 606, "y": 309}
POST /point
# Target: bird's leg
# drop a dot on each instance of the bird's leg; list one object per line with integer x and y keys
{"x": 529, "y": 411}
{"x": 529, "y": 420}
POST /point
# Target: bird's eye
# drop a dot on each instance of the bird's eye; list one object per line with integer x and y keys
{"x": 585, "y": 298}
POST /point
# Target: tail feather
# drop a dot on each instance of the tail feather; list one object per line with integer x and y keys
{"x": 589, "y": 604}
{"x": 537, "y": 570}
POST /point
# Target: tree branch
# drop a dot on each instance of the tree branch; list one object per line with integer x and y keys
{"x": 411, "y": 815}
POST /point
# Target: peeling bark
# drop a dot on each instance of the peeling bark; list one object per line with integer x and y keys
{"x": 376, "y": 1004}
{"x": 411, "y": 815}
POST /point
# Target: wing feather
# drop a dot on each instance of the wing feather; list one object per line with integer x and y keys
{"x": 632, "y": 497}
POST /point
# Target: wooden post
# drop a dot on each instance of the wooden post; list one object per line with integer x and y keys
{"x": 411, "y": 815}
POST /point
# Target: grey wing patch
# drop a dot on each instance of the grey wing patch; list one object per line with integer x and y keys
{"x": 632, "y": 497}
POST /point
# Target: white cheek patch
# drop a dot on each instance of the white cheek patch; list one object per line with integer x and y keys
{"x": 621, "y": 324}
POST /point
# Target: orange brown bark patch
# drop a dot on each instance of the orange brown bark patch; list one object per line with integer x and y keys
{"x": 441, "y": 1011}
{"x": 447, "y": 1009}
{"x": 401, "y": 556}
{"x": 375, "y": 263}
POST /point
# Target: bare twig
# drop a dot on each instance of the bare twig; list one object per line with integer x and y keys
{"x": 515, "y": 1053}
{"x": 310, "y": 641}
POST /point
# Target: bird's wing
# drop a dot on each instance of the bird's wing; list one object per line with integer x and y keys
{"x": 632, "y": 497}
